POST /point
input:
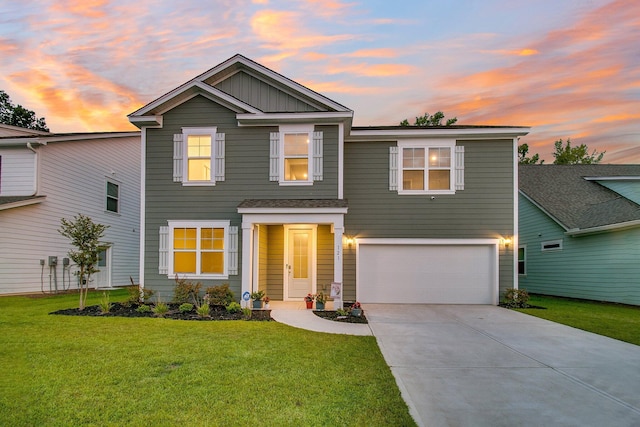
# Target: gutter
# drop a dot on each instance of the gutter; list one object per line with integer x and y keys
{"x": 574, "y": 232}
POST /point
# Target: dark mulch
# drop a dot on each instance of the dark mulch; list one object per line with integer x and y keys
{"x": 123, "y": 310}
{"x": 333, "y": 315}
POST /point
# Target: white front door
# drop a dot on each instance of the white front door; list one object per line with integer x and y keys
{"x": 102, "y": 279}
{"x": 300, "y": 254}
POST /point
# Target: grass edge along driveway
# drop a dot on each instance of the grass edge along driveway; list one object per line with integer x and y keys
{"x": 107, "y": 371}
{"x": 618, "y": 321}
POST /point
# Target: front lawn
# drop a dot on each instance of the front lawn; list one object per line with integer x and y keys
{"x": 617, "y": 321}
{"x": 68, "y": 370}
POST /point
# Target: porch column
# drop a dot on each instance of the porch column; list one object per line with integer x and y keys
{"x": 247, "y": 257}
{"x": 337, "y": 264}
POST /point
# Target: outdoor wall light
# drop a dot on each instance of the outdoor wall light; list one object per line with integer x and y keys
{"x": 349, "y": 241}
{"x": 506, "y": 242}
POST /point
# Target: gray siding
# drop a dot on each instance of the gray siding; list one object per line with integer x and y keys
{"x": 261, "y": 95}
{"x": 275, "y": 259}
{"x": 324, "y": 275}
{"x": 246, "y": 177}
{"x": 484, "y": 209}
{"x": 602, "y": 267}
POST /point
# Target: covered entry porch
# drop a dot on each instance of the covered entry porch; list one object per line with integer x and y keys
{"x": 291, "y": 248}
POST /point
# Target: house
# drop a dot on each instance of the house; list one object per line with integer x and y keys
{"x": 579, "y": 231}
{"x": 254, "y": 180}
{"x": 45, "y": 177}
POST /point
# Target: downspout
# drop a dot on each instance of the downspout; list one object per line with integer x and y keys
{"x": 36, "y": 169}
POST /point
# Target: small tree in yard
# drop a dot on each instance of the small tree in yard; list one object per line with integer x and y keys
{"x": 85, "y": 235}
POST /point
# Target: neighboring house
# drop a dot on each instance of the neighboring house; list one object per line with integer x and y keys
{"x": 254, "y": 180}
{"x": 580, "y": 231}
{"x": 45, "y": 177}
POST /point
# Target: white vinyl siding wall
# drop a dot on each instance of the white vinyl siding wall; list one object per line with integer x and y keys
{"x": 72, "y": 177}
{"x": 18, "y": 171}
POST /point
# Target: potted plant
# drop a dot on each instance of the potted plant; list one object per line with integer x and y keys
{"x": 266, "y": 300}
{"x": 356, "y": 309}
{"x": 257, "y": 299}
{"x": 309, "y": 300}
{"x": 321, "y": 299}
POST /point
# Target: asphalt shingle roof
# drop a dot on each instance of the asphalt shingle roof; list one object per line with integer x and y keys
{"x": 574, "y": 201}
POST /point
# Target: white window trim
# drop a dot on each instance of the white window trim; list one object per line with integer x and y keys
{"x": 426, "y": 144}
{"x": 284, "y": 129}
{"x": 551, "y": 243}
{"x": 106, "y": 195}
{"x": 199, "y": 224}
{"x": 186, "y": 131}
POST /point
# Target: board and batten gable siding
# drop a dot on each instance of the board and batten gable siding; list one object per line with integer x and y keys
{"x": 628, "y": 189}
{"x": 73, "y": 178}
{"x": 247, "y": 156}
{"x": 262, "y": 95}
{"x": 484, "y": 209}
{"x": 601, "y": 267}
{"x": 18, "y": 166}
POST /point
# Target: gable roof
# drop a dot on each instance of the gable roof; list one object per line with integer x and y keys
{"x": 217, "y": 84}
{"x": 572, "y": 196}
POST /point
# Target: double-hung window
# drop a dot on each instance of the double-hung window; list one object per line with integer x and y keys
{"x": 296, "y": 155}
{"x": 198, "y": 249}
{"x": 198, "y": 156}
{"x": 113, "y": 197}
{"x": 426, "y": 167}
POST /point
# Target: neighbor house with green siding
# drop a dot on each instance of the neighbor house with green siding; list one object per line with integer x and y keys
{"x": 580, "y": 231}
{"x": 254, "y": 180}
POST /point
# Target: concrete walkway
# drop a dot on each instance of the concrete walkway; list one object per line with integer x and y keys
{"x": 489, "y": 366}
{"x": 298, "y": 316}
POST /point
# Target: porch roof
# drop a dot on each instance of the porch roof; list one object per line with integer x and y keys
{"x": 293, "y": 203}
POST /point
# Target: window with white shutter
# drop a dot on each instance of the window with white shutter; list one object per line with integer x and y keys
{"x": 296, "y": 155}
{"x": 199, "y": 156}
{"x": 426, "y": 167}
{"x": 198, "y": 249}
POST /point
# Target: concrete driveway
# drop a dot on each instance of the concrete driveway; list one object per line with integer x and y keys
{"x": 471, "y": 365}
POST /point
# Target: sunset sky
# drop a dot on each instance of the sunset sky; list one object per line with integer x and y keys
{"x": 568, "y": 68}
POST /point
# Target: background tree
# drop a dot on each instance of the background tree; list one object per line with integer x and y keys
{"x": 85, "y": 235}
{"x": 17, "y": 115}
{"x": 428, "y": 120}
{"x": 568, "y": 155}
{"x": 523, "y": 151}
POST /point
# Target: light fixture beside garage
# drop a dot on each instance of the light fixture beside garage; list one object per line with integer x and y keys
{"x": 349, "y": 240}
{"x": 506, "y": 242}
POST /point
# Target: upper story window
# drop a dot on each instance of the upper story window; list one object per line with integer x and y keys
{"x": 296, "y": 155}
{"x": 198, "y": 156}
{"x": 427, "y": 167}
{"x": 113, "y": 197}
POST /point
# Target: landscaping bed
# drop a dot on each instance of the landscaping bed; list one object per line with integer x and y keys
{"x": 133, "y": 310}
{"x": 333, "y": 315}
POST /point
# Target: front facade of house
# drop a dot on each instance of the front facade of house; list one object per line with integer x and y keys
{"x": 45, "y": 177}
{"x": 580, "y": 231}
{"x": 253, "y": 180}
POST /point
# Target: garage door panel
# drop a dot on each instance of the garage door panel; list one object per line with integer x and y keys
{"x": 435, "y": 274}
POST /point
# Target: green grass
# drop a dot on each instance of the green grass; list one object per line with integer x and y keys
{"x": 68, "y": 370}
{"x": 617, "y": 321}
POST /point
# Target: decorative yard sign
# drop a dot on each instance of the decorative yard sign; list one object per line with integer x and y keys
{"x": 336, "y": 294}
{"x": 246, "y": 296}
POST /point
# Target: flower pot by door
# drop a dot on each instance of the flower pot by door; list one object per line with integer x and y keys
{"x": 257, "y": 304}
{"x": 309, "y": 304}
{"x": 319, "y": 305}
{"x": 357, "y": 312}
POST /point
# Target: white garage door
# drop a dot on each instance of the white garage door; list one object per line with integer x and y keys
{"x": 427, "y": 273}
